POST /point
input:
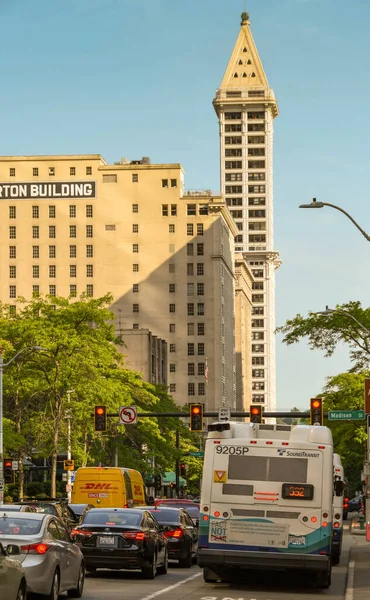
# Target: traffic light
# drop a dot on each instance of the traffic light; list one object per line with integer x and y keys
{"x": 196, "y": 417}
{"x": 157, "y": 482}
{"x": 172, "y": 485}
{"x": 255, "y": 413}
{"x": 183, "y": 470}
{"x": 8, "y": 473}
{"x": 100, "y": 416}
{"x": 316, "y": 411}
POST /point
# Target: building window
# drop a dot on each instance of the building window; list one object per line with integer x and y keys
{"x": 12, "y": 271}
{"x": 51, "y": 171}
{"x": 52, "y": 251}
{"x": 171, "y": 248}
{"x": 258, "y": 398}
{"x": 172, "y": 368}
{"x": 135, "y": 308}
{"x": 190, "y": 289}
{"x": 258, "y": 348}
{"x": 172, "y": 288}
{"x": 35, "y": 171}
{"x": 112, "y": 178}
{"x": 72, "y": 211}
{"x": 201, "y": 389}
{"x": 191, "y": 210}
{"x": 72, "y": 231}
{"x": 12, "y": 212}
{"x": 89, "y": 231}
{"x": 191, "y": 389}
{"x": 72, "y": 251}
{"x": 203, "y": 209}
{"x": 135, "y": 268}
{"x": 200, "y": 229}
{"x": 36, "y": 271}
{"x": 191, "y": 329}
{"x": 258, "y": 322}
{"x": 191, "y": 349}
{"x": 73, "y": 270}
{"x": 35, "y": 290}
{"x": 190, "y": 249}
{"x": 52, "y": 290}
{"x": 190, "y": 309}
{"x": 233, "y": 152}
{"x": 258, "y": 360}
{"x": 135, "y": 326}
{"x": 135, "y": 178}
{"x": 171, "y": 267}
{"x": 12, "y": 232}
{"x": 200, "y": 249}
{"x": 73, "y": 290}
{"x": 200, "y": 328}
{"x": 135, "y": 208}
{"x": 233, "y": 115}
{"x": 12, "y": 291}
{"x": 171, "y": 228}
{"x": 172, "y": 327}
{"x": 51, "y": 231}
{"x": 201, "y": 349}
{"x": 200, "y": 268}
{"x": 12, "y": 252}
{"x": 201, "y": 368}
{"x": 190, "y": 269}
{"x": 172, "y": 348}
{"x": 89, "y": 290}
{"x": 88, "y": 170}
{"x": 89, "y": 210}
{"x": 173, "y": 183}
{"x": 51, "y": 212}
{"x": 257, "y": 297}
{"x": 190, "y": 229}
{"x": 200, "y": 289}
{"x": 135, "y": 287}
{"x": 258, "y": 373}
{"x": 164, "y": 210}
{"x": 257, "y": 285}
{"x": 200, "y": 309}
{"x": 135, "y": 248}
{"x": 191, "y": 369}
{"x": 165, "y": 183}
{"x": 72, "y": 170}
{"x": 52, "y": 271}
{"x": 257, "y": 335}
{"x": 12, "y": 172}
{"x": 89, "y": 270}
{"x": 173, "y": 210}
{"x": 35, "y": 231}
{"x": 172, "y": 387}
{"x": 172, "y": 308}
{"x": 258, "y": 385}
{"x": 35, "y": 251}
{"x": 135, "y": 228}
{"x": 89, "y": 251}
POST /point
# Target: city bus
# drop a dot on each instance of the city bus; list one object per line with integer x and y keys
{"x": 338, "y": 495}
{"x": 266, "y": 500}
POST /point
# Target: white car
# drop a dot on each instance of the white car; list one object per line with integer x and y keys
{"x": 52, "y": 562}
{"x": 12, "y": 578}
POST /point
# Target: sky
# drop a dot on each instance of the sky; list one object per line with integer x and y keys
{"x": 133, "y": 78}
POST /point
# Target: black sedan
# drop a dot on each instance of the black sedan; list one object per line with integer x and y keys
{"x": 122, "y": 538}
{"x": 81, "y": 509}
{"x": 181, "y": 532}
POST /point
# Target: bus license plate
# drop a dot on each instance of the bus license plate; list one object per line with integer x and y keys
{"x": 297, "y": 540}
{"x": 107, "y": 541}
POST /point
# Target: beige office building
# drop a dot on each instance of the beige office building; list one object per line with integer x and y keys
{"x": 73, "y": 224}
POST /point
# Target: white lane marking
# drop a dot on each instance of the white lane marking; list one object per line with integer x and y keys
{"x": 350, "y": 580}
{"x": 171, "y": 587}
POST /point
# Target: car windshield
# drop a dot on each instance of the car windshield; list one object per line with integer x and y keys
{"x": 13, "y": 526}
{"x": 192, "y": 509}
{"x": 103, "y": 517}
{"x": 47, "y": 509}
{"x": 165, "y": 516}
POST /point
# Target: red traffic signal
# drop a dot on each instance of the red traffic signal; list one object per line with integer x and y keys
{"x": 183, "y": 470}
{"x": 8, "y": 473}
{"x": 100, "y": 418}
{"x": 255, "y": 413}
{"x": 196, "y": 417}
{"x": 316, "y": 411}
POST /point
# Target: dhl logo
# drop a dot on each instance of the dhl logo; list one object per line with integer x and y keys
{"x": 98, "y": 486}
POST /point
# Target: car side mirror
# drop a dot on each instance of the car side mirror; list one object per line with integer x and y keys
{"x": 13, "y": 550}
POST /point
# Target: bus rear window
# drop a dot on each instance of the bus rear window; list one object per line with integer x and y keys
{"x": 261, "y": 468}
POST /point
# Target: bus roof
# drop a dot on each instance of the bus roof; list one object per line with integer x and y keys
{"x": 315, "y": 434}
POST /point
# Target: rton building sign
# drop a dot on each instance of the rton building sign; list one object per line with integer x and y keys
{"x": 59, "y": 189}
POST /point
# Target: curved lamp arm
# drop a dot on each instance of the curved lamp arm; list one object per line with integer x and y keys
{"x": 315, "y": 204}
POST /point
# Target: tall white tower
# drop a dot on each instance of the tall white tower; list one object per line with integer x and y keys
{"x": 246, "y": 108}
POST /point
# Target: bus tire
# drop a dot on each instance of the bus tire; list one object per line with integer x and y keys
{"x": 209, "y": 576}
{"x": 324, "y": 579}
{"x": 335, "y": 558}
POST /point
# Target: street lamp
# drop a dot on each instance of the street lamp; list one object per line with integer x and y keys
{"x": 69, "y": 453}
{"x": 315, "y": 204}
{"x": 2, "y": 367}
{"x": 335, "y": 311}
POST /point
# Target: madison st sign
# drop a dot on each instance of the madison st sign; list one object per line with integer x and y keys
{"x": 60, "y": 189}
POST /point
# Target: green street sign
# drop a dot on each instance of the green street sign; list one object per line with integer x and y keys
{"x": 344, "y": 415}
{"x": 201, "y": 454}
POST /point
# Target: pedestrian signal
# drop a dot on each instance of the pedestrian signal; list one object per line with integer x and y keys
{"x": 8, "y": 473}
{"x": 100, "y": 417}
{"x": 196, "y": 417}
{"x": 255, "y": 413}
{"x": 316, "y": 411}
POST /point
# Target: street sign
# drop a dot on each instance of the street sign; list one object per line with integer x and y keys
{"x": 128, "y": 415}
{"x": 346, "y": 415}
{"x": 68, "y": 465}
{"x": 196, "y": 454}
{"x": 15, "y": 465}
{"x": 224, "y": 414}
{"x": 72, "y": 475}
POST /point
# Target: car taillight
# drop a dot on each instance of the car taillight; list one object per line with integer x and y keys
{"x": 139, "y": 536}
{"x": 83, "y": 531}
{"x": 35, "y": 548}
{"x": 175, "y": 533}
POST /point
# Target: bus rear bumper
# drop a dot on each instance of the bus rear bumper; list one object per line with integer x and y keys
{"x": 261, "y": 560}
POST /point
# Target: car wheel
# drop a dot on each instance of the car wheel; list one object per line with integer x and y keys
{"x": 21, "y": 595}
{"x": 164, "y": 568}
{"x": 54, "y": 592}
{"x": 79, "y": 589}
{"x": 150, "y": 571}
{"x": 185, "y": 563}
{"x": 91, "y": 569}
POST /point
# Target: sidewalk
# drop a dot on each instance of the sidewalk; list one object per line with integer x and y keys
{"x": 358, "y": 579}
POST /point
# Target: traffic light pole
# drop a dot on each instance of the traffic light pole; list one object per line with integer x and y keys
{"x": 1, "y": 433}
{"x": 292, "y": 415}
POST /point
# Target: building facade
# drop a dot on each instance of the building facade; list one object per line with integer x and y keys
{"x": 145, "y": 353}
{"x": 246, "y": 107}
{"x": 73, "y": 224}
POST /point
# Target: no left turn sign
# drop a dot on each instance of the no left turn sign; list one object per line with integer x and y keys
{"x": 128, "y": 415}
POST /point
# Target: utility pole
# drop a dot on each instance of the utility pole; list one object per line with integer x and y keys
{"x": 69, "y": 452}
{"x": 177, "y": 466}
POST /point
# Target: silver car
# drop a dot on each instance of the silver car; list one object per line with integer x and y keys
{"x": 12, "y": 578}
{"x": 52, "y": 562}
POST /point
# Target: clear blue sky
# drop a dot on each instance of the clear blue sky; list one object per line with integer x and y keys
{"x": 137, "y": 77}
